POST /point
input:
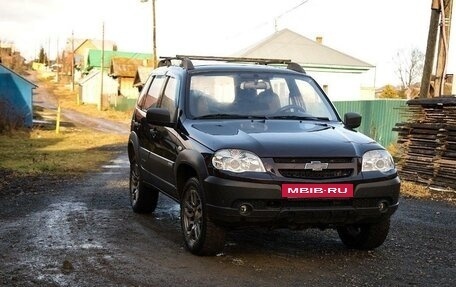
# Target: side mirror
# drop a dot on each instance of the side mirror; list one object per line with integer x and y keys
{"x": 158, "y": 116}
{"x": 352, "y": 120}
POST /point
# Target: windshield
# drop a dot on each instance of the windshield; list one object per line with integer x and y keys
{"x": 257, "y": 95}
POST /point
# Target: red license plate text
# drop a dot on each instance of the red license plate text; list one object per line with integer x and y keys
{"x": 333, "y": 190}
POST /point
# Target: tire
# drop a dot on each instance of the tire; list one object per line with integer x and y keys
{"x": 142, "y": 198}
{"x": 201, "y": 236}
{"x": 365, "y": 236}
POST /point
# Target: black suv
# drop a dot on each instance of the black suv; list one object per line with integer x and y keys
{"x": 255, "y": 142}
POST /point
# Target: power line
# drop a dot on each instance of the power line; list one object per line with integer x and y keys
{"x": 288, "y": 11}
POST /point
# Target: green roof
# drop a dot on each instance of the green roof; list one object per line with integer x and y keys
{"x": 94, "y": 58}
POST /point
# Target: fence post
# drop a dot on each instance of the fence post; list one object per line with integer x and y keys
{"x": 57, "y": 120}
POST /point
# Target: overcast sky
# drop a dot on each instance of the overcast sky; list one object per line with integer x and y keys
{"x": 370, "y": 30}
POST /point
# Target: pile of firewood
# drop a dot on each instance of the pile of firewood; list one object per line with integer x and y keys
{"x": 427, "y": 141}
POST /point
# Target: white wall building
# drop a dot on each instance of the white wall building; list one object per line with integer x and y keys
{"x": 343, "y": 77}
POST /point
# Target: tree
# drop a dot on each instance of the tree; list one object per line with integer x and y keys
{"x": 409, "y": 66}
{"x": 389, "y": 92}
{"x": 42, "y": 57}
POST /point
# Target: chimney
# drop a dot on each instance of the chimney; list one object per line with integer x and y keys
{"x": 319, "y": 39}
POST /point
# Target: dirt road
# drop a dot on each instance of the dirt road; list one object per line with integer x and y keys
{"x": 85, "y": 234}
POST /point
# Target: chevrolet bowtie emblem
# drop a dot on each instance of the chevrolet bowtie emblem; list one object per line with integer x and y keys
{"x": 316, "y": 165}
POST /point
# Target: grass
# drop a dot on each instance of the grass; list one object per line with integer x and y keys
{"x": 72, "y": 152}
{"x": 412, "y": 189}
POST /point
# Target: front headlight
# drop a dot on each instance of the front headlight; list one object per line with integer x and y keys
{"x": 236, "y": 160}
{"x": 377, "y": 160}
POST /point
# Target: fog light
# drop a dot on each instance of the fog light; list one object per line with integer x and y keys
{"x": 245, "y": 209}
{"x": 383, "y": 206}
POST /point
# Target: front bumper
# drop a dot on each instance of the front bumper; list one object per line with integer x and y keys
{"x": 267, "y": 207}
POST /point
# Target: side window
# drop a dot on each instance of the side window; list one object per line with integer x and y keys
{"x": 169, "y": 100}
{"x": 143, "y": 93}
{"x": 154, "y": 92}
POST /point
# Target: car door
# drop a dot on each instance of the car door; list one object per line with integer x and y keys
{"x": 166, "y": 141}
{"x": 147, "y": 142}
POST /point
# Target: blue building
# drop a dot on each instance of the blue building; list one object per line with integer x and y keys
{"x": 15, "y": 98}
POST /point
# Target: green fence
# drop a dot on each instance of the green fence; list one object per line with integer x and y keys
{"x": 379, "y": 117}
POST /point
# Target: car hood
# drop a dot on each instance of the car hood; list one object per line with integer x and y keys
{"x": 281, "y": 138}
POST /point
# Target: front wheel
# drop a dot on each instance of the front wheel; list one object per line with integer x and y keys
{"x": 364, "y": 236}
{"x": 202, "y": 237}
{"x": 143, "y": 199}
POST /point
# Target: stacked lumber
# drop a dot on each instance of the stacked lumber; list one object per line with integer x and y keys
{"x": 427, "y": 140}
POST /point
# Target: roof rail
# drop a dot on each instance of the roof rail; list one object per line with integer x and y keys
{"x": 296, "y": 67}
{"x": 186, "y": 61}
{"x": 263, "y": 61}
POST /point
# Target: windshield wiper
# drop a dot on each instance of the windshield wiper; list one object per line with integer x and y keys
{"x": 230, "y": 116}
{"x": 303, "y": 118}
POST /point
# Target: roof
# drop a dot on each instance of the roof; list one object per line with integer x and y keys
{"x": 126, "y": 67}
{"x": 94, "y": 58}
{"x": 287, "y": 44}
{"x": 92, "y": 75}
{"x": 13, "y": 73}
{"x": 77, "y": 43}
{"x": 141, "y": 75}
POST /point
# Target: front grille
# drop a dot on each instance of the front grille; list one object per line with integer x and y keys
{"x": 310, "y": 174}
{"x": 306, "y": 160}
{"x": 308, "y": 168}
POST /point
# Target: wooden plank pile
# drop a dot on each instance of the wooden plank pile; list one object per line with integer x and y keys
{"x": 427, "y": 140}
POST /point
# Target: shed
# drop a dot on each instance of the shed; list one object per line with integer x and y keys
{"x": 141, "y": 76}
{"x": 91, "y": 88}
{"x": 124, "y": 70}
{"x": 15, "y": 98}
{"x": 342, "y": 76}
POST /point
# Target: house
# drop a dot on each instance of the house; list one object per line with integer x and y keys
{"x": 15, "y": 99}
{"x": 94, "y": 58}
{"x": 124, "y": 70}
{"x": 121, "y": 66}
{"x": 90, "y": 88}
{"x": 141, "y": 77}
{"x": 340, "y": 75}
{"x": 81, "y": 48}
{"x": 10, "y": 58}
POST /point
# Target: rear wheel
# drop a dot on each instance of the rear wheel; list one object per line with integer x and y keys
{"x": 202, "y": 237}
{"x": 143, "y": 199}
{"x": 364, "y": 236}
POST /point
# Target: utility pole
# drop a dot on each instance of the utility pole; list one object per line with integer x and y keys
{"x": 72, "y": 64}
{"x": 49, "y": 53}
{"x": 57, "y": 60}
{"x": 154, "y": 35}
{"x": 100, "y": 100}
{"x": 430, "y": 49}
{"x": 444, "y": 41}
{"x": 439, "y": 9}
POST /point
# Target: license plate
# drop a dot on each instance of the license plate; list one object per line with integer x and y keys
{"x": 333, "y": 190}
